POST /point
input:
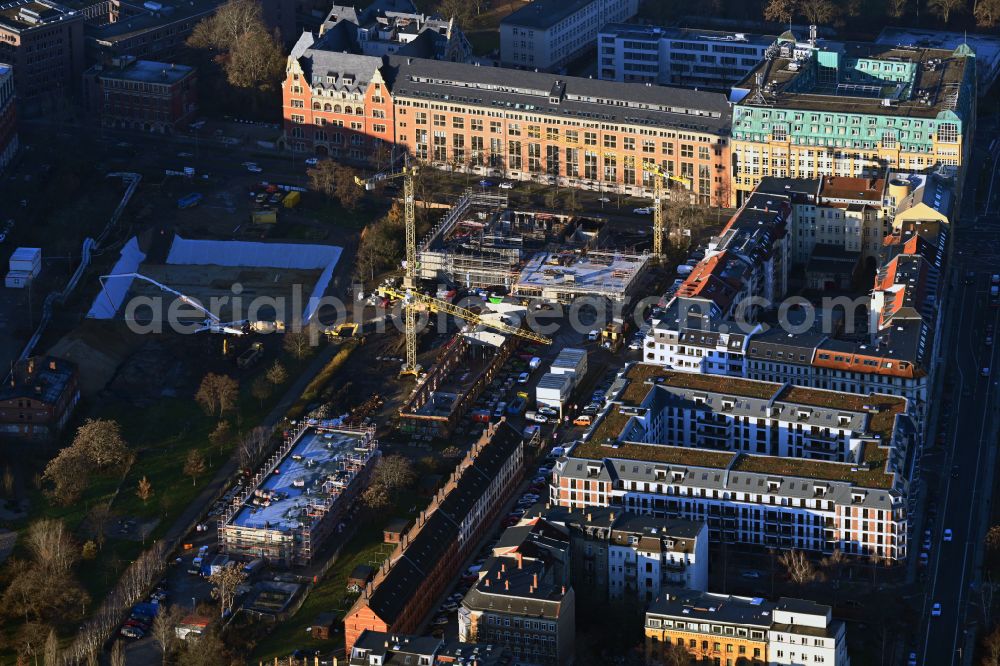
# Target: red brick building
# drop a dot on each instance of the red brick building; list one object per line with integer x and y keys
{"x": 428, "y": 558}
{"x": 43, "y": 41}
{"x": 39, "y": 398}
{"x": 506, "y": 123}
{"x": 8, "y": 117}
{"x": 141, "y": 94}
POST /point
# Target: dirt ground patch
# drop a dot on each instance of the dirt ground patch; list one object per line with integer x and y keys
{"x": 98, "y": 348}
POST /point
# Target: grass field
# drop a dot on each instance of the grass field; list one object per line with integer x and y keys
{"x": 161, "y": 435}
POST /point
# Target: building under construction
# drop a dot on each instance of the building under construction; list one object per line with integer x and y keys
{"x": 569, "y": 274}
{"x": 481, "y": 242}
{"x": 300, "y": 495}
{"x": 463, "y": 369}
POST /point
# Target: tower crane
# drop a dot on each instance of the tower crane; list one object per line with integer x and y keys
{"x": 411, "y": 298}
{"x": 210, "y": 323}
{"x": 659, "y": 224}
{"x": 407, "y": 173}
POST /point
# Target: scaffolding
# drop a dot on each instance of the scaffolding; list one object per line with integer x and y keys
{"x": 303, "y": 520}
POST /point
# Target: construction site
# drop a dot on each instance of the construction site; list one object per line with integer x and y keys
{"x": 482, "y": 243}
{"x": 300, "y": 495}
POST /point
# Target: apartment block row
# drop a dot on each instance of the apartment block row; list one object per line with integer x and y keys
{"x": 768, "y": 464}
{"x": 430, "y": 554}
{"x": 882, "y": 340}
{"x": 720, "y": 628}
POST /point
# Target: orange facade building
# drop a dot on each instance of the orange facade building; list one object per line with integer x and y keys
{"x": 506, "y": 123}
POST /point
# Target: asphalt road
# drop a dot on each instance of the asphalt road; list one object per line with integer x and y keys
{"x": 954, "y": 574}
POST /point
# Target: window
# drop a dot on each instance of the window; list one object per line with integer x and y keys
{"x": 421, "y": 118}
{"x": 687, "y": 150}
{"x": 495, "y": 127}
{"x": 439, "y": 120}
{"x": 297, "y": 104}
{"x": 610, "y": 141}
{"x": 590, "y": 138}
{"x": 948, "y": 133}
{"x": 477, "y": 125}
{"x": 457, "y": 122}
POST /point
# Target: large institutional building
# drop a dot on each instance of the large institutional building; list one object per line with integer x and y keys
{"x": 516, "y": 124}
{"x": 815, "y": 109}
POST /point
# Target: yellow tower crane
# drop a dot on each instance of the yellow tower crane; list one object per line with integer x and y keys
{"x": 410, "y": 268}
{"x": 411, "y": 298}
{"x": 659, "y": 223}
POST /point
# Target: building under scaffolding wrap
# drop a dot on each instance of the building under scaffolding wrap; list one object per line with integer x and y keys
{"x": 481, "y": 242}
{"x": 300, "y": 495}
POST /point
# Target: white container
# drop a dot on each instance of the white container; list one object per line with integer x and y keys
{"x": 17, "y": 279}
{"x": 26, "y": 259}
{"x": 553, "y": 390}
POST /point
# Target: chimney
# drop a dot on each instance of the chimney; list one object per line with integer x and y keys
{"x": 612, "y": 515}
{"x": 564, "y": 590}
{"x": 52, "y": 364}
{"x": 503, "y": 568}
{"x": 534, "y": 580}
{"x": 520, "y": 560}
{"x": 589, "y": 517}
{"x": 487, "y": 582}
{"x": 506, "y": 585}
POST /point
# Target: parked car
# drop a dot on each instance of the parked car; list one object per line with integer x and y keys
{"x": 523, "y": 378}
{"x": 936, "y": 610}
{"x": 506, "y": 185}
{"x": 548, "y": 411}
{"x": 948, "y": 535}
{"x": 486, "y": 183}
{"x": 312, "y": 161}
{"x": 516, "y": 406}
{"x": 253, "y": 168}
{"x": 645, "y": 210}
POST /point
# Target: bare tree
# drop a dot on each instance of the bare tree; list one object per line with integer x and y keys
{"x": 298, "y": 344}
{"x": 224, "y": 28}
{"x": 987, "y": 13}
{"x": 163, "y": 629}
{"x": 102, "y": 442}
{"x": 394, "y": 472}
{"x": 117, "y": 654}
{"x": 945, "y": 8}
{"x": 255, "y": 61}
{"x": 8, "y": 482}
{"x": 221, "y": 434}
{"x": 144, "y": 491}
{"x": 819, "y": 11}
{"x": 51, "y": 650}
{"x": 798, "y": 567}
{"x": 51, "y": 546}
{"x": 897, "y": 8}
{"x": 277, "y": 374}
{"x": 69, "y": 474}
{"x": 780, "y": 11}
{"x": 253, "y": 445}
{"x": 224, "y": 583}
{"x": 217, "y": 393}
{"x": 194, "y": 465}
{"x": 991, "y": 647}
{"x": 337, "y": 182}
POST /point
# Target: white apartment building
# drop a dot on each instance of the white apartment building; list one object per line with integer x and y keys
{"x": 808, "y": 469}
{"x": 804, "y": 633}
{"x": 720, "y": 628}
{"x": 678, "y": 56}
{"x": 645, "y": 558}
{"x": 546, "y": 34}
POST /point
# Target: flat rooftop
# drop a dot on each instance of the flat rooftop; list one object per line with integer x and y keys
{"x": 544, "y": 14}
{"x": 631, "y": 31}
{"x": 594, "y": 272}
{"x": 790, "y": 83}
{"x": 148, "y": 71}
{"x": 315, "y": 470}
{"x": 27, "y": 14}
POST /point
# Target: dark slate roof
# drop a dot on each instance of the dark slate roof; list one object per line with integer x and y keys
{"x": 708, "y": 607}
{"x": 577, "y": 98}
{"x": 544, "y": 14}
{"x": 43, "y": 378}
{"x": 440, "y": 530}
